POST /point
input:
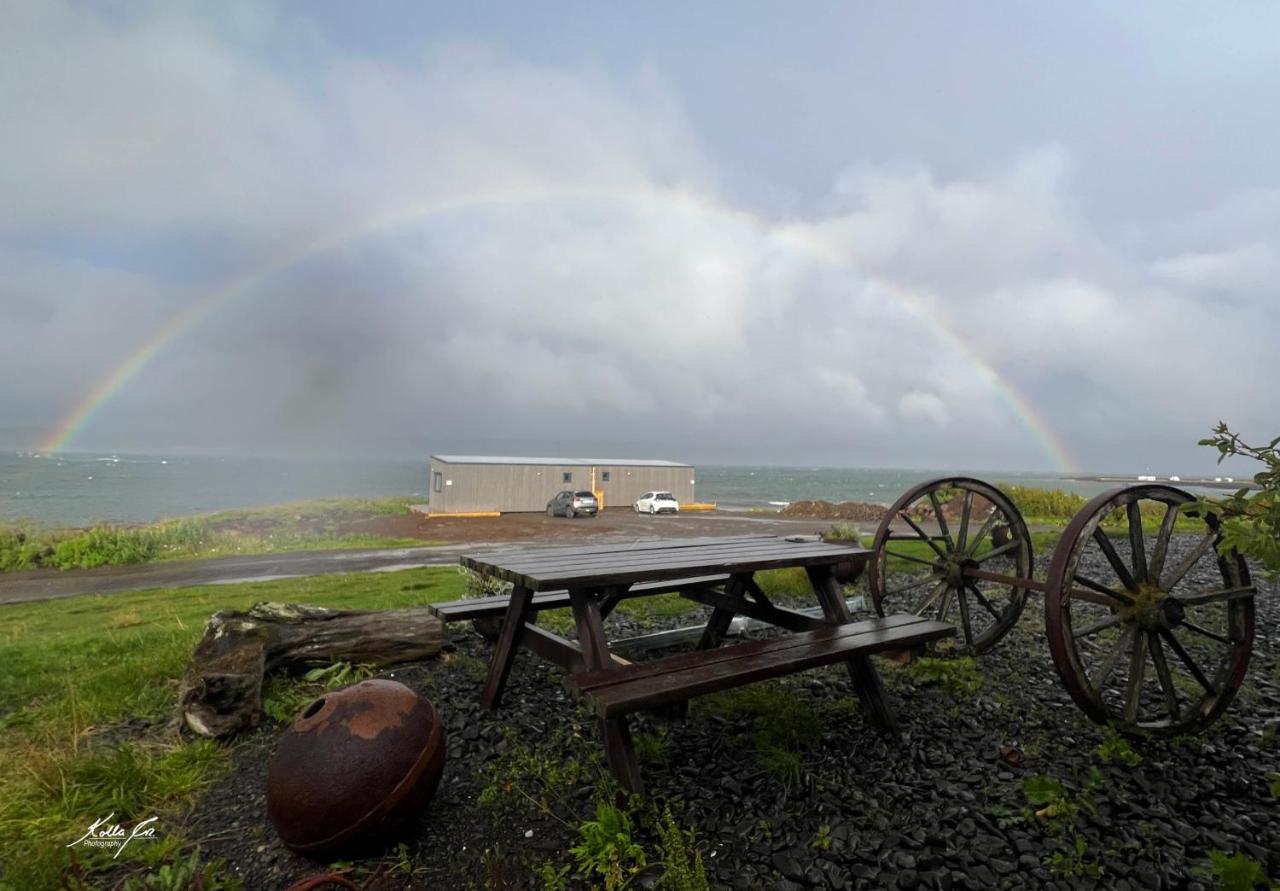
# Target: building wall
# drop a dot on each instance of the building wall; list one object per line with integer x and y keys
{"x": 528, "y": 487}
{"x": 502, "y": 487}
{"x": 626, "y": 484}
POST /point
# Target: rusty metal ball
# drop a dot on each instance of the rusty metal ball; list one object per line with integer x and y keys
{"x": 356, "y": 765}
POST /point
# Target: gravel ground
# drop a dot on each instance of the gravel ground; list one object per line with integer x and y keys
{"x": 944, "y": 808}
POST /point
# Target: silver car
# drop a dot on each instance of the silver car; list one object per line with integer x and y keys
{"x": 571, "y": 504}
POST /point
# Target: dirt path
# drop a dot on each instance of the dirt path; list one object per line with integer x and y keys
{"x": 458, "y": 535}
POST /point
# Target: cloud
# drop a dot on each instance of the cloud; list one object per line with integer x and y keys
{"x": 919, "y": 406}
{"x": 475, "y": 246}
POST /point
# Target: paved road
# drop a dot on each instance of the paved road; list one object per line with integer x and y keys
{"x": 51, "y": 584}
{"x": 23, "y": 587}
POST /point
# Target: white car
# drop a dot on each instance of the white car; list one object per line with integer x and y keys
{"x": 657, "y": 503}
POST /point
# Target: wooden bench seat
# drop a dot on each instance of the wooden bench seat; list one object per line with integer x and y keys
{"x": 619, "y": 691}
{"x": 471, "y": 609}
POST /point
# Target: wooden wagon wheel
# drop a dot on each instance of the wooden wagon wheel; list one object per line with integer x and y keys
{"x": 1154, "y": 643}
{"x": 978, "y": 529}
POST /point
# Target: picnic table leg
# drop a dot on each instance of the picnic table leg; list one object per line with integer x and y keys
{"x": 863, "y": 674}
{"x": 619, "y": 751}
{"x": 508, "y": 640}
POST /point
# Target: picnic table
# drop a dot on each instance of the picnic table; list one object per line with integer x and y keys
{"x": 717, "y": 572}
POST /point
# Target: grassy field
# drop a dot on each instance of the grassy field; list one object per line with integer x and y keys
{"x": 87, "y": 691}
{"x": 310, "y": 525}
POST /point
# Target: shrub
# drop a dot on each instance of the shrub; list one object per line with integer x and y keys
{"x": 607, "y": 852}
{"x": 1115, "y": 749}
{"x": 1044, "y": 504}
{"x": 1237, "y": 872}
{"x": 1251, "y": 523}
{"x": 681, "y": 860}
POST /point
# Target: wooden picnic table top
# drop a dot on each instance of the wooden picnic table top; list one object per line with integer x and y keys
{"x": 603, "y": 565}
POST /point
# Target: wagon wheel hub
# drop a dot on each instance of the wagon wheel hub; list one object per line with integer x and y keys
{"x": 1153, "y": 609}
{"x": 953, "y": 570}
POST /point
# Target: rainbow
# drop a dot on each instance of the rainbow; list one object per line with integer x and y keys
{"x": 92, "y": 403}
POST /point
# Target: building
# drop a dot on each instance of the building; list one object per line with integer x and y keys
{"x": 472, "y": 483}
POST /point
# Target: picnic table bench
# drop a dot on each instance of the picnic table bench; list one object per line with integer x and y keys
{"x": 717, "y": 572}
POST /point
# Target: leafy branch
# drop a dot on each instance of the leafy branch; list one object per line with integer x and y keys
{"x": 1251, "y": 523}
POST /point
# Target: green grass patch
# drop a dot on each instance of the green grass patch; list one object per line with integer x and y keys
{"x": 959, "y": 676}
{"x": 75, "y": 670}
{"x": 615, "y": 839}
{"x": 1115, "y": 749}
{"x": 311, "y": 525}
{"x": 786, "y": 584}
{"x": 785, "y": 725}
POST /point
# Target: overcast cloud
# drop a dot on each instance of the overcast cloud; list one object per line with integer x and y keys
{"x": 759, "y": 240}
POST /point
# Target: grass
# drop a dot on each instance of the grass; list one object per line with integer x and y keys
{"x": 616, "y": 837}
{"x": 785, "y": 726}
{"x": 289, "y": 527}
{"x": 960, "y": 676}
{"x": 76, "y": 670}
{"x": 1054, "y": 507}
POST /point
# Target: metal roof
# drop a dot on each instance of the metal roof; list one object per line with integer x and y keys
{"x": 571, "y": 462}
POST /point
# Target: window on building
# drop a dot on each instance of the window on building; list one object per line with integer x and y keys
{"x": 568, "y": 477}
{"x": 604, "y": 476}
{"x": 438, "y": 483}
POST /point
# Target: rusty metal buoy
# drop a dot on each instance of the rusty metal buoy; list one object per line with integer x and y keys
{"x": 356, "y": 764}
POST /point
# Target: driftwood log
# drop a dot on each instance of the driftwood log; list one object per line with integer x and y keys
{"x": 221, "y": 692}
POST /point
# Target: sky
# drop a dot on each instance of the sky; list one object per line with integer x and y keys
{"x": 1017, "y": 236}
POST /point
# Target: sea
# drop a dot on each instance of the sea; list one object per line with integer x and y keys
{"x": 85, "y": 488}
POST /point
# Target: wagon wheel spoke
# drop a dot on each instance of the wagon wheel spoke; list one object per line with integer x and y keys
{"x": 1214, "y": 595}
{"x": 944, "y": 604}
{"x": 1191, "y": 560}
{"x": 963, "y": 603}
{"x": 1162, "y": 672}
{"x": 983, "y": 531}
{"x": 1137, "y": 665}
{"x": 1104, "y": 590}
{"x": 1204, "y": 632}
{"x": 911, "y": 587}
{"x": 909, "y": 557}
{"x": 1100, "y": 625}
{"x": 966, "y": 508}
{"x": 1081, "y": 595}
{"x": 929, "y": 598}
{"x": 1137, "y": 546}
{"x": 1117, "y": 564}
{"x": 984, "y": 601}
{"x": 1180, "y": 651}
{"x": 1112, "y": 662}
{"x": 1161, "y": 550}
{"x": 921, "y": 533}
{"x": 942, "y": 520}
{"x": 996, "y": 552}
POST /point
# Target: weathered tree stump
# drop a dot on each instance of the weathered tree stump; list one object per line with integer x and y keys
{"x": 221, "y": 692}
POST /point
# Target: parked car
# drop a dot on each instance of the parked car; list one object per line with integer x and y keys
{"x": 571, "y": 504}
{"x": 657, "y": 503}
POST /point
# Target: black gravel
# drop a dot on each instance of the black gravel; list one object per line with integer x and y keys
{"x": 943, "y": 808}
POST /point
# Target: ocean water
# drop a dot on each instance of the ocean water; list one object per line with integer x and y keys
{"x": 80, "y": 489}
